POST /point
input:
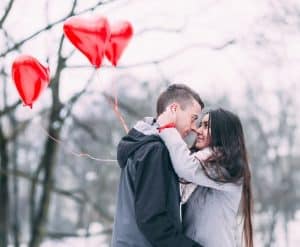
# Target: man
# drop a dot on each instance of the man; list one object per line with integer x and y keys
{"x": 148, "y": 207}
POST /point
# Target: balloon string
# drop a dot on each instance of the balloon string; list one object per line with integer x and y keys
{"x": 115, "y": 106}
{"x": 81, "y": 155}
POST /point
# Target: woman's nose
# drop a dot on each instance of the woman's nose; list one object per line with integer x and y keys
{"x": 199, "y": 131}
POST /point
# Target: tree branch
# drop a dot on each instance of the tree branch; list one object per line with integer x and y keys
{"x": 8, "y": 9}
{"x": 84, "y": 198}
{"x": 165, "y": 58}
{"x": 49, "y": 26}
{"x": 122, "y": 105}
{"x": 59, "y": 235}
{"x": 10, "y": 108}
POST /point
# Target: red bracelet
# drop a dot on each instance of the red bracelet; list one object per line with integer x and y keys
{"x": 169, "y": 125}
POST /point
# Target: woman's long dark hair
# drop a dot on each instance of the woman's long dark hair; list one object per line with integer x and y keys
{"x": 230, "y": 162}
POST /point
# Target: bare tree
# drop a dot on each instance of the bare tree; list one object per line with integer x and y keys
{"x": 271, "y": 144}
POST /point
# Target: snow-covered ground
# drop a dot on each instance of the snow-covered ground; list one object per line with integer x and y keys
{"x": 78, "y": 242}
{"x": 101, "y": 240}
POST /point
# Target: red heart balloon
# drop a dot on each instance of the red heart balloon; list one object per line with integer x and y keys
{"x": 121, "y": 33}
{"x": 30, "y": 78}
{"x": 89, "y": 35}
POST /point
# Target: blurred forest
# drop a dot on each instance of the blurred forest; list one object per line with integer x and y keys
{"x": 49, "y": 193}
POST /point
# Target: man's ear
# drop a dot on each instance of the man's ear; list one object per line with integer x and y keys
{"x": 173, "y": 107}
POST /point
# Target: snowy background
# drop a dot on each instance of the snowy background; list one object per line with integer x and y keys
{"x": 241, "y": 54}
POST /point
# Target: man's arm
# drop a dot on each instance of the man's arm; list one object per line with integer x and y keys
{"x": 151, "y": 183}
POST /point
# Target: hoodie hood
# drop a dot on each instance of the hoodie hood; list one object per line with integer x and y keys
{"x": 143, "y": 132}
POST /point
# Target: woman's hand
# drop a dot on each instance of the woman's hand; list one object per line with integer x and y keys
{"x": 167, "y": 117}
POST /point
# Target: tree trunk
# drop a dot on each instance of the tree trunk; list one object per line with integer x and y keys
{"x": 3, "y": 190}
{"x": 15, "y": 215}
{"x": 48, "y": 163}
{"x": 272, "y": 226}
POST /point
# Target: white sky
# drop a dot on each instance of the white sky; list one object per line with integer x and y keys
{"x": 208, "y": 23}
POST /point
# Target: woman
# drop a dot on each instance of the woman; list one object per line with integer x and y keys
{"x": 219, "y": 172}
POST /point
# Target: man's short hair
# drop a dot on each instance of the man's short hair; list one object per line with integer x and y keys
{"x": 179, "y": 93}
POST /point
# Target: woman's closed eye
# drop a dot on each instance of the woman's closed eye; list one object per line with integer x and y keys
{"x": 204, "y": 124}
{"x": 194, "y": 118}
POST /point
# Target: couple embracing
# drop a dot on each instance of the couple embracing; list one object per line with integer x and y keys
{"x": 173, "y": 195}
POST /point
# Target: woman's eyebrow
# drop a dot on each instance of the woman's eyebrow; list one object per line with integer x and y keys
{"x": 204, "y": 122}
{"x": 195, "y": 116}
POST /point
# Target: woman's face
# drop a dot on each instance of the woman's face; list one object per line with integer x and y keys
{"x": 203, "y": 133}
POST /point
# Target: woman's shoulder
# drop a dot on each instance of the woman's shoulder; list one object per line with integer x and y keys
{"x": 203, "y": 154}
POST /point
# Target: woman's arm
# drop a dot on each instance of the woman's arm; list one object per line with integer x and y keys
{"x": 186, "y": 165}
